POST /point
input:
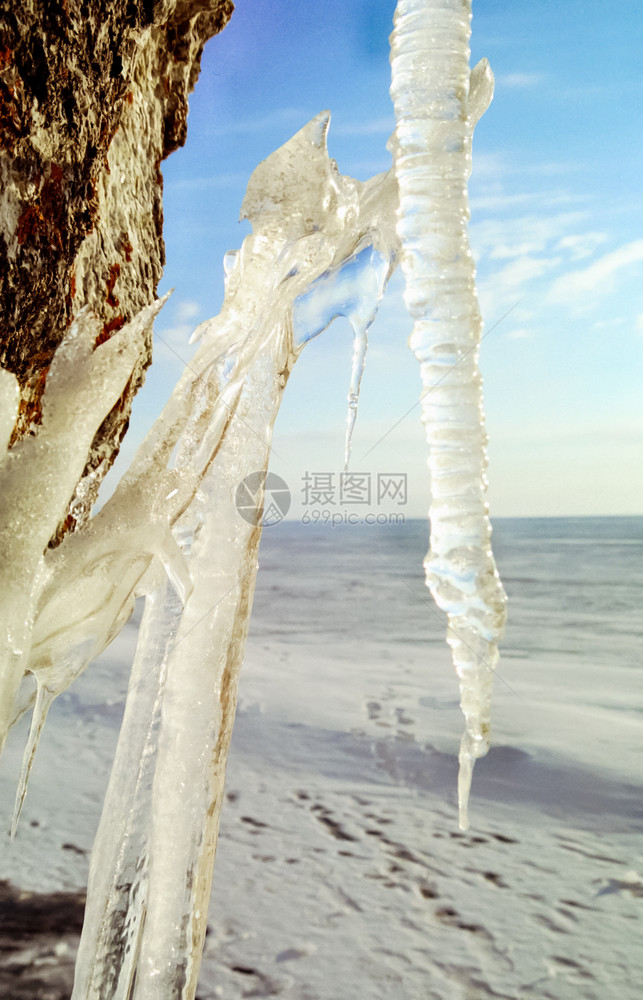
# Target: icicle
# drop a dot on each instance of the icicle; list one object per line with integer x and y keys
{"x": 89, "y": 597}
{"x": 117, "y": 887}
{"x": 308, "y": 221}
{"x": 89, "y": 582}
{"x": 360, "y": 344}
{"x": 436, "y": 110}
{"x": 44, "y": 699}
{"x": 353, "y": 289}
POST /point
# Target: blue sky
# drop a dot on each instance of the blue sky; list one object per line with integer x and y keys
{"x": 556, "y": 228}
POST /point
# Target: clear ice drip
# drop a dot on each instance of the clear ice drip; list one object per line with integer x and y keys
{"x": 353, "y": 290}
{"x": 436, "y": 108}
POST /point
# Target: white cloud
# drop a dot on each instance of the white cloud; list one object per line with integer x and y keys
{"x": 598, "y": 277}
{"x": 498, "y": 201}
{"x": 288, "y": 118}
{"x": 613, "y": 323}
{"x": 522, "y": 256}
{"x": 504, "y": 251}
{"x": 513, "y": 253}
{"x": 495, "y": 199}
{"x": 639, "y": 323}
{"x": 525, "y": 269}
{"x": 496, "y": 165}
{"x": 581, "y": 245}
{"x": 489, "y": 165}
{"x": 186, "y": 310}
{"x": 516, "y": 236}
{"x": 520, "y": 80}
{"x": 172, "y": 345}
{"x": 376, "y": 126}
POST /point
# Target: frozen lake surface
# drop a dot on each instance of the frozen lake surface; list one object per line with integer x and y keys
{"x": 341, "y": 871}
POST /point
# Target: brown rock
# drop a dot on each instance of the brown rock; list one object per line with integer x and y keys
{"x": 39, "y": 934}
{"x": 93, "y": 96}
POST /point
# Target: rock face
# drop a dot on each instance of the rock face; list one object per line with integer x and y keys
{"x": 93, "y": 96}
{"x": 38, "y": 942}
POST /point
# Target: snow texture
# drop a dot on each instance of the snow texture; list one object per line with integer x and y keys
{"x": 437, "y": 105}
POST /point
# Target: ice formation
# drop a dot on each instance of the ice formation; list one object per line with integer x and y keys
{"x": 352, "y": 290}
{"x": 322, "y": 245}
{"x": 437, "y": 105}
{"x": 38, "y": 476}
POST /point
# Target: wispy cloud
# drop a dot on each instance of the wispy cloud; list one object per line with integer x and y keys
{"x": 598, "y": 277}
{"x": 581, "y": 245}
{"x": 496, "y": 165}
{"x": 520, "y": 81}
{"x": 525, "y": 269}
{"x": 517, "y": 236}
{"x": 495, "y": 199}
{"x": 196, "y": 184}
{"x": 292, "y": 118}
{"x": 376, "y": 126}
{"x": 172, "y": 347}
{"x": 186, "y": 310}
{"x": 526, "y": 254}
{"x": 499, "y": 201}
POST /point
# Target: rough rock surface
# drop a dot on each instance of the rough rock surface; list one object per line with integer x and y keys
{"x": 38, "y": 943}
{"x": 39, "y": 935}
{"x": 93, "y": 95}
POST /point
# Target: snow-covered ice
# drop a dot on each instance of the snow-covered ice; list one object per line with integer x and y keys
{"x": 340, "y": 869}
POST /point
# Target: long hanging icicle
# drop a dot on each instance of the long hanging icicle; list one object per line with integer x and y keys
{"x": 353, "y": 290}
{"x": 436, "y": 109}
{"x": 152, "y": 862}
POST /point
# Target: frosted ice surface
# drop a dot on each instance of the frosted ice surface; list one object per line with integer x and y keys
{"x": 437, "y": 105}
{"x": 9, "y": 399}
{"x": 39, "y": 474}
